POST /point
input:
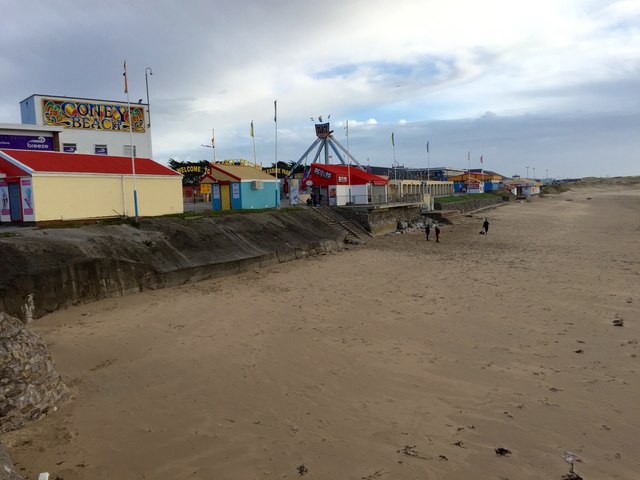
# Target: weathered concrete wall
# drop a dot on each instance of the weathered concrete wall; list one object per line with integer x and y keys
{"x": 467, "y": 205}
{"x": 380, "y": 221}
{"x": 48, "y": 269}
{"x": 30, "y": 386}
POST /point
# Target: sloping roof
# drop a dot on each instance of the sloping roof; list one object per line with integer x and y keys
{"x": 238, "y": 172}
{"x": 322, "y": 174}
{"x": 57, "y": 162}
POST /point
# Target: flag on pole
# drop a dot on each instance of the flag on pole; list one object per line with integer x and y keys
{"x": 251, "y": 130}
{"x": 480, "y": 158}
{"x": 275, "y": 110}
{"x": 393, "y": 142}
{"x": 126, "y": 88}
{"x": 427, "y": 147}
{"x": 213, "y": 138}
{"x": 346, "y": 128}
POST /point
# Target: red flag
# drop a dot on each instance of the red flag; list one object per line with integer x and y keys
{"x": 126, "y": 88}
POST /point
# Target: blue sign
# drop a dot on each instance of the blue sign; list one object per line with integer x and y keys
{"x": 26, "y": 142}
{"x": 100, "y": 150}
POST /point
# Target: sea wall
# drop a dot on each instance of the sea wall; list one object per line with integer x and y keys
{"x": 44, "y": 270}
{"x": 467, "y": 205}
{"x": 382, "y": 220}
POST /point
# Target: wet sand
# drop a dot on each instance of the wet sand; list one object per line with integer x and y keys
{"x": 400, "y": 359}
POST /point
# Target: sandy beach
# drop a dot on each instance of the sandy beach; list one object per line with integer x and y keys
{"x": 399, "y": 359}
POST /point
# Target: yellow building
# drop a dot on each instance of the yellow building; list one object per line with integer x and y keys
{"x": 46, "y": 186}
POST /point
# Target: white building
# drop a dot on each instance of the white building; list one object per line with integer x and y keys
{"x": 100, "y": 127}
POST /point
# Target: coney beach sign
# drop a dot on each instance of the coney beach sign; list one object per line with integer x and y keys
{"x": 87, "y": 115}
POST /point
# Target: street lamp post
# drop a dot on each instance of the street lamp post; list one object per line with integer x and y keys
{"x": 146, "y": 81}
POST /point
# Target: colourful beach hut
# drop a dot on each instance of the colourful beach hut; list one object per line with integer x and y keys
{"x": 241, "y": 187}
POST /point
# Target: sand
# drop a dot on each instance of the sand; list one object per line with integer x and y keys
{"x": 399, "y": 359}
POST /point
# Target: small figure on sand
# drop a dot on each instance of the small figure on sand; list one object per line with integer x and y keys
{"x": 485, "y": 226}
{"x": 437, "y": 233}
{"x": 427, "y": 230}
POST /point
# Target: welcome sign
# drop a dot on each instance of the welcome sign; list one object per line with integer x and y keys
{"x": 87, "y": 115}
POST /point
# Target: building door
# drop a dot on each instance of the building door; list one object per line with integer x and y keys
{"x": 225, "y": 197}
{"x": 15, "y": 202}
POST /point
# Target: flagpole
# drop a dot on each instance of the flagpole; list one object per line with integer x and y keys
{"x": 393, "y": 144}
{"x": 428, "y": 172}
{"x": 275, "y": 121}
{"x": 469, "y": 171}
{"x": 482, "y": 172}
{"x": 213, "y": 143}
{"x": 253, "y": 138}
{"x": 133, "y": 161}
{"x": 349, "y": 162}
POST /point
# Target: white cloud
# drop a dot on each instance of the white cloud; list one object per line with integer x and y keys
{"x": 382, "y": 64}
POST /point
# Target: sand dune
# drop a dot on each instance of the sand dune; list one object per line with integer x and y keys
{"x": 399, "y": 359}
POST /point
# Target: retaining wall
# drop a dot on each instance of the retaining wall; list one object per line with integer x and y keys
{"x": 467, "y": 205}
{"x": 44, "y": 270}
{"x": 382, "y": 220}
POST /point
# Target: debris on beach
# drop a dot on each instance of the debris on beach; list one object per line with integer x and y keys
{"x": 618, "y": 322}
{"x": 502, "y": 452}
{"x": 302, "y": 469}
{"x": 410, "y": 451}
{"x": 571, "y": 458}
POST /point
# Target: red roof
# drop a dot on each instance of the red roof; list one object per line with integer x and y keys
{"x": 79, "y": 163}
{"x": 321, "y": 175}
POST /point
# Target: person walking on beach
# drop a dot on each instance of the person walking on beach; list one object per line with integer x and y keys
{"x": 437, "y": 233}
{"x": 485, "y": 225}
{"x": 428, "y": 230}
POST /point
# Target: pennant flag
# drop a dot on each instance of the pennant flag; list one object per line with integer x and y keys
{"x": 213, "y": 138}
{"x": 427, "y": 147}
{"x": 126, "y": 87}
{"x": 347, "y": 128}
{"x": 275, "y": 110}
{"x": 393, "y": 142}
{"x": 480, "y": 158}
{"x": 251, "y": 130}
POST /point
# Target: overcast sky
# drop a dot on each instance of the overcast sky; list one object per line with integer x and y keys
{"x": 548, "y": 84}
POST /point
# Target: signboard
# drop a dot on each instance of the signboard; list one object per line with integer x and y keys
{"x": 205, "y": 188}
{"x": 279, "y": 171}
{"x": 193, "y": 168}
{"x": 26, "y": 142}
{"x": 216, "y": 192}
{"x": 100, "y": 149}
{"x": 87, "y": 115}
{"x": 69, "y": 148}
{"x": 235, "y": 191}
{"x": 322, "y": 130}
{"x": 322, "y": 173}
{"x": 27, "y": 200}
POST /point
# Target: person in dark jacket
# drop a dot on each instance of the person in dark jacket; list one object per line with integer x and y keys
{"x": 437, "y": 233}
{"x": 427, "y": 230}
{"x": 485, "y": 225}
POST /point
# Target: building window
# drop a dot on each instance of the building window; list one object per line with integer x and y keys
{"x": 69, "y": 147}
{"x": 126, "y": 150}
{"x": 100, "y": 149}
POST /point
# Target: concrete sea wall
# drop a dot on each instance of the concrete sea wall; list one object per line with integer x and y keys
{"x": 44, "y": 270}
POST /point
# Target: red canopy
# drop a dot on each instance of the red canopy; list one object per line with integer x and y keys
{"x": 321, "y": 175}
